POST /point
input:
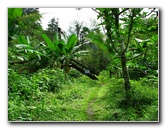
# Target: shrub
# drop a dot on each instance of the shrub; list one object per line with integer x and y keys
{"x": 49, "y": 79}
{"x": 74, "y": 73}
{"x": 20, "y": 85}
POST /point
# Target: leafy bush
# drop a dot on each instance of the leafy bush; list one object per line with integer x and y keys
{"x": 149, "y": 80}
{"x": 20, "y": 85}
{"x": 49, "y": 79}
{"x": 74, "y": 73}
{"x": 104, "y": 75}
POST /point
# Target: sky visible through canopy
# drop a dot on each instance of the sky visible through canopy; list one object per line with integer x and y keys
{"x": 66, "y": 16}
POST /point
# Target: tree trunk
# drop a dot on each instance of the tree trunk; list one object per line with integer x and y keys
{"x": 125, "y": 75}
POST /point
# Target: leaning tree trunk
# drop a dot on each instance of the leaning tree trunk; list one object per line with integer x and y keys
{"x": 125, "y": 75}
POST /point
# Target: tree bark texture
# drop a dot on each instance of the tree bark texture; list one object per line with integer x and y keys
{"x": 125, "y": 75}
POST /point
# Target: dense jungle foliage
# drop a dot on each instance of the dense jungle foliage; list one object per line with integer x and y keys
{"x": 106, "y": 72}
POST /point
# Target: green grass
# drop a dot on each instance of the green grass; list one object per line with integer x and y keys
{"x": 83, "y": 99}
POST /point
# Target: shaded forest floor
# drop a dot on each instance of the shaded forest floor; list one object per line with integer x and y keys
{"x": 83, "y": 99}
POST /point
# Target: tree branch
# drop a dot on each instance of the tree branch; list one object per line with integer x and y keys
{"x": 110, "y": 37}
{"x": 130, "y": 28}
{"x": 103, "y": 26}
{"x": 95, "y": 11}
{"x": 108, "y": 28}
{"x": 149, "y": 13}
{"x": 123, "y": 11}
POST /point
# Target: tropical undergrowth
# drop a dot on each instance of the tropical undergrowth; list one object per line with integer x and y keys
{"x": 111, "y": 104}
{"x": 49, "y": 95}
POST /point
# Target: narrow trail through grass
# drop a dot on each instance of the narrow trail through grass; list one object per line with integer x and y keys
{"x": 90, "y": 112}
{"x": 88, "y": 100}
{"x": 92, "y": 98}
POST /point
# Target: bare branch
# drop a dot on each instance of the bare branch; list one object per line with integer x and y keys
{"x": 123, "y": 10}
{"x": 149, "y": 13}
{"x": 103, "y": 26}
{"x": 101, "y": 20}
{"x": 95, "y": 11}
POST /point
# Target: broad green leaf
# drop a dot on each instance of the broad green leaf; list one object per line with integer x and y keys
{"x": 71, "y": 42}
{"x": 20, "y": 58}
{"x": 40, "y": 45}
{"x": 31, "y": 51}
{"x": 135, "y": 55}
{"x": 23, "y": 46}
{"x": 130, "y": 64}
{"x": 50, "y": 44}
{"x": 55, "y": 38}
{"x": 22, "y": 40}
{"x": 28, "y": 40}
{"x": 137, "y": 43}
{"x": 128, "y": 54}
{"x": 61, "y": 46}
{"x": 13, "y": 13}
